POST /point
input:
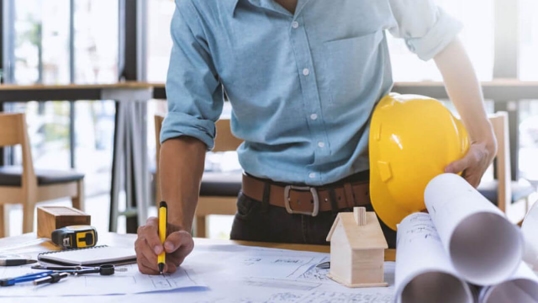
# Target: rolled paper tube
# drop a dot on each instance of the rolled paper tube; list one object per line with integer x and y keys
{"x": 522, "y": 287}
{"x": 529, "y": 230}
{"x": 484, "y": 247}
{"x": 423, "y": 271}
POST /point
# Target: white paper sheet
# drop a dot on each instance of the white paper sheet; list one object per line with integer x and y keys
{"x": 127, "y": 282}
{"x": 249, "y": 274}
{"x": 522, "y": 287}
{"x": 470, "y": 228}
{"x": 423, "y": 271}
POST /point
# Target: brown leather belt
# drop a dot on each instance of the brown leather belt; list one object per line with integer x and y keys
{"x": 308, "y": 200}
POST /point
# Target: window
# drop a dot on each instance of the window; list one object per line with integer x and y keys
{"x": 477, "y": 37}
{"x": 96, "y": 41}
{"x": 159, "y": 41}
{"x": 44, "y": 53}
{"x": 528, "y": 40}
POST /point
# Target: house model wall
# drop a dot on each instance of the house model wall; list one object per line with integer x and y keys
{"x": 357, "y": 249}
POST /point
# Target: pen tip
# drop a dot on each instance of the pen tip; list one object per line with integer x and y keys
{"x": 161, "y": 268}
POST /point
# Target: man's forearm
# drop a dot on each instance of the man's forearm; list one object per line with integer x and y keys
{"x": 181, "y": 167}
{"x": 464, "y": 90}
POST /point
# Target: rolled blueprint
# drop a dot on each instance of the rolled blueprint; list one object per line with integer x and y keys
{"x": 522, "y": 287}
{"x": 529, "y": 230}
{"x": 484, "y": 247}
{"x": 424, "y": 273}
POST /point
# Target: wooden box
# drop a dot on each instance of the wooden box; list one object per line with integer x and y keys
{"x": 50, "y": 218}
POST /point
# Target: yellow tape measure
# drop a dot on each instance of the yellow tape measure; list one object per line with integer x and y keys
{"x": 75, "y": 236}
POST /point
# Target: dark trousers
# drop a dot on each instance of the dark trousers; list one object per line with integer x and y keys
{"x": 257, "y": 221}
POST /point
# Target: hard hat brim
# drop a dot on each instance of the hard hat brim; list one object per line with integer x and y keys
{"x": 390, "y": 213}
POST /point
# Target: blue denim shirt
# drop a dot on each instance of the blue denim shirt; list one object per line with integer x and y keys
{"x": 302, "y": 86}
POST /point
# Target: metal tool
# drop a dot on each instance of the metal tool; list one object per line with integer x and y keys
{"x": 103, "y": 270}
{"x": 15, "y": 260}
{"x": 25, "y": 278}
{"x": 75, "y": 236}
{"x": 52, "y": 278}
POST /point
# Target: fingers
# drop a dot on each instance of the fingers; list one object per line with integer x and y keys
{"x": 148, "y": 246}
{"x": 178, "y": 245}
{"x": 473, "y": 164}
{"x": 145, "y": 266}
{"x": 180, "y": 241}
{"x": 458, "y": 166}
{"x": 471, "y": 170}
{"x": 474, "y": 177}
{"x": 150, "y": 232}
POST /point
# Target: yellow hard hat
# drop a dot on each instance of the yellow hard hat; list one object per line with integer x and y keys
{"x": 412, "y": 139}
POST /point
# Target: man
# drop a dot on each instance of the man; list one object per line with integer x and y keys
{"x": 303, "y": 77}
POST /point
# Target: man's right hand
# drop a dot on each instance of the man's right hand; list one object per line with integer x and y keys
{"x": 178, "y": 245}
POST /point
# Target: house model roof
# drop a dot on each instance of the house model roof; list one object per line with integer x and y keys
{"x": 360, "y": 237}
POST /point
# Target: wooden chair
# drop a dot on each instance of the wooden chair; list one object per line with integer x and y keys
{"x": 512, "y": 197}
{"x": 27, "y": 186}
{"x": 218, "y": 190}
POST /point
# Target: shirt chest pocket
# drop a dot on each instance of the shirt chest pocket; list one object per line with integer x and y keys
{"x": 351, "y": 65}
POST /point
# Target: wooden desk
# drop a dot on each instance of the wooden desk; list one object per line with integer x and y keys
{"x": 123, "y": 91}
{"x": 30, "y": 242}
{"x": 130, "y": 135}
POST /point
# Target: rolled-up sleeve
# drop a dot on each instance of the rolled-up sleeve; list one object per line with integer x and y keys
{"x": 195, "y": 96}
{"x": 426, "y": 28}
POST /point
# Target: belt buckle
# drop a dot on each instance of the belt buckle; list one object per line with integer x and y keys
{"x": 315, "y": 199}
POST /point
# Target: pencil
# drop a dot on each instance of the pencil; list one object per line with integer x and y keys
{"x": 163, "y": 220}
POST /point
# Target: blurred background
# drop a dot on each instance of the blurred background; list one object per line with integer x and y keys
{"x": 79, "y": 41}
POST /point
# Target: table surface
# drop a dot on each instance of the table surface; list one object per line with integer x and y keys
{"x": 253, "y": 287}
{"x": 119, "y": 85}
{"x": 497, "y": 83}
{"x": 30, "y": 242}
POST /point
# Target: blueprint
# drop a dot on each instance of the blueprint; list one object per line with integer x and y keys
{"x": 124, "y": 282}
{"x": 212, "y": 273}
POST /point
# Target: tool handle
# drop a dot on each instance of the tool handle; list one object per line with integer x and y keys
{"x": 52, "y": 278}
{"x": 25, "y": 278}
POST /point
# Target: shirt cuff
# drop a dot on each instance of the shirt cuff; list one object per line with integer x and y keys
{"x": 179, "y": 124}
{"x": 437, "y": 38}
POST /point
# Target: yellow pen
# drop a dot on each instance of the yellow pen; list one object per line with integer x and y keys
{"x": 163, "y": 221}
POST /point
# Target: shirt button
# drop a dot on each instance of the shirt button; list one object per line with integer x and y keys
{"x": 306, "y": 72}
{"x": 295, "y": 24}
{"x": 321, "y": 144}
{"x": 313, "y": 116}
{"x": 312, "y": 175}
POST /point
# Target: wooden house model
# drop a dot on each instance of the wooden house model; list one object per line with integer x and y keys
{"x": 357, "y": 249}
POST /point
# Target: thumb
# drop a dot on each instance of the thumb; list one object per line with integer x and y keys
{"x": 458, "y": 166}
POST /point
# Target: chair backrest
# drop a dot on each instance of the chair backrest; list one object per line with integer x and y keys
{"x": 499, "y": 121}
{"x": 225, "y": 140}
{"x": 13, "y": 131}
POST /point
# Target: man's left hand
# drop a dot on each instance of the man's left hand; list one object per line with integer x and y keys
{"x": 475, "y": 162}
